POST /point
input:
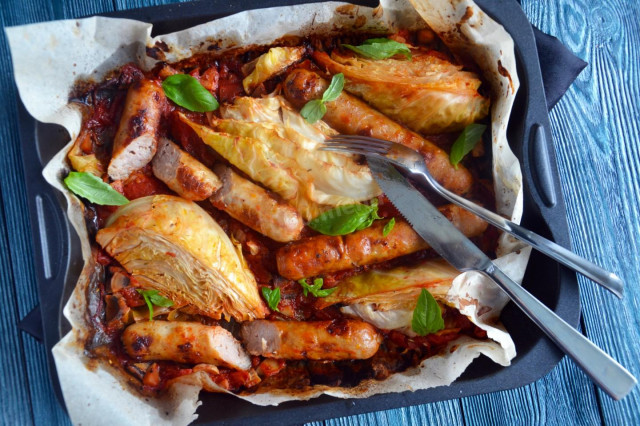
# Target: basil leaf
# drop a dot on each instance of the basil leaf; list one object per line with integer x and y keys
{"x": 151, "y": 297}
{"x": 94, "y": 189}
{"x": 388, "y": 227}
{"x": 344, "y": 220}
{"x": 272, "y": 297}
{"x": 315, "y": 289}
{"x": 313, "y": 110}
{"x": 380, "y": 48}
{"x": 465, "y": 142}
{"x": 187, "y": 92}
{"x": 427, "y": 317}
{"x": 334, "y": 89}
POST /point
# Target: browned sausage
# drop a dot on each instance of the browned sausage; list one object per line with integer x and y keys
{"x": 185, "y": 342}
{"x": 136, "y": 140}
{"x": 328, "y": 340}
{"x": 324, "y": 254}
{"x": 185, "y": 175}
{"x": 350, "y": 115}
{"x": 255, "y": 207}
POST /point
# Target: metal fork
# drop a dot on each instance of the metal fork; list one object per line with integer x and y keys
{"x": 412, "y": 161}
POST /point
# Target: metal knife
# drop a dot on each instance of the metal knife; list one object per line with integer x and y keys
{"x": 458, "y": 250}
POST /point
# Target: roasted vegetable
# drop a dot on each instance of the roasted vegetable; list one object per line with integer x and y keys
{"x": 270, "y": 64}
{"x": 172, "y": 245}
{"x": 428, "y": 94}
{"x": 276, "y": 147}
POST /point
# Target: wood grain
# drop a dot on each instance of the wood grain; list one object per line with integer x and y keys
{"x": 596, "y": 132}
{"x": 596, "y": 138}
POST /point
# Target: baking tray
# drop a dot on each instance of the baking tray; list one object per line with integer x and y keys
{"x": 58, "y": 259}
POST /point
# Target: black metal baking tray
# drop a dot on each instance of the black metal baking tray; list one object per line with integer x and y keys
{"x": 58, "y": 258}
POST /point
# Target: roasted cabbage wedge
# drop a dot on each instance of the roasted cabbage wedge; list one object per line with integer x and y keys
{"x": 270, "y": 64}
{"x": 172, "y": 245}
{"x": 276, "y": 147}
{"x": 387, "y": 298}
{"x": 428, "y": 94}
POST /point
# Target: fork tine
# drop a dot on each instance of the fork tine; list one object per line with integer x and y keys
{"x": 354, "y": 138}
{"x": 357, "y": 144}
{"x": 347, "y": 149}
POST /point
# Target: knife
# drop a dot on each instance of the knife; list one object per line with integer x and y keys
{"x": 462, "y": 254}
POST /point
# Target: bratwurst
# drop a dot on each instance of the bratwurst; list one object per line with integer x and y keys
{"x": 185, "y": 175}
{"x": 136, "y": 141}
{"x": 256, "y": 207}
{"x": 318, "y": 340}
{"x": 348, "y": 114}
{"x": 185, "y": 342}
{"x": 324, "y": 254}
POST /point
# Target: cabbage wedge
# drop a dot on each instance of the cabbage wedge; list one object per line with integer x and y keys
{"x": 171, "y": 245}
{"x": 275, "y": 146}
{"x": 387, "y": 299}
{"x": 428, "y": 94}
{"x": 270, "y": 64}
{"x": 393, "y": 288}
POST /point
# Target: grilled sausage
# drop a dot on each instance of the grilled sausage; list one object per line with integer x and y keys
{"x": 136, "y": 140}
{"x": 185, "y": 342}
{"x": 324, "y": 254}
{"x": 350, "y": 115}
{"x": 182, "y": 173}
{"x": 255, "y": 207}
{"x": 318, "y": 340}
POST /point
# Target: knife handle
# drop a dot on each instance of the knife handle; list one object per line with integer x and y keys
{"x": 606, "y": 279}
{"x": 610, "y": 376}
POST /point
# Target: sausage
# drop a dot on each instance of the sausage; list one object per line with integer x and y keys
{"x": 136, "y": 141}
{"x": 324, "y": 254}
{"x": 350, "y": 115}
{"x": 255, "y": 207}
{"x": 182, "y": 173}
{"x": 184, "y": 342}
{"x": 318, "y": 340}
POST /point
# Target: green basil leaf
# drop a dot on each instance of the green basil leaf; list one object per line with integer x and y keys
{"x": 427, "y": 317}
{"x": 313, "y": 110}
{"x": 334, "y": 89}
{"x": 380, "y": 48}
{"x": 305, "y": 287}
{"x": 152, "y": 297}
{"x": 187, "y": 92}
{"x": 94, "y": 189}
{"x": 316, "y": 109}
{"x": 272, "y": 297}
{"x": 343, "y": 220}
{"x": 465, "y": 142}
{"x": 388, "y": 227}
{"x": 159, "y": 300}
{"x": 315, "y": 289}
{"x": 325, "y": 292}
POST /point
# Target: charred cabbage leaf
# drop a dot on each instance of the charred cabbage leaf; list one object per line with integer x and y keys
{"x": 427, "y": 94}
{"x": 171, "y": 245}
{"x": 387, "y": 299}
{"x": 270, "y": 64}
{"x": 277, "y": 148}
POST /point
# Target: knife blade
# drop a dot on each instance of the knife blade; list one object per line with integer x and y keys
{"x": 458, "y": 250}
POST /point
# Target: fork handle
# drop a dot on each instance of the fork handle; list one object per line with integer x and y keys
{"x": 614, "y": 379}
{"x": 606, "y": 279}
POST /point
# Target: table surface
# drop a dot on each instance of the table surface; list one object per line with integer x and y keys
{"x": 596, "y": 129}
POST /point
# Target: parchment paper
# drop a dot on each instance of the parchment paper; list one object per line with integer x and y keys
{"x": 49, "y": 57}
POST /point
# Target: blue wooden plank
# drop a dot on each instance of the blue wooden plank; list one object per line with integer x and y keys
{"x": 596, "y": 133}
{"x": 14, "y": 397}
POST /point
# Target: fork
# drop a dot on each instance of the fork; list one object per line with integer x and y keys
{"x": 412, "y": 161}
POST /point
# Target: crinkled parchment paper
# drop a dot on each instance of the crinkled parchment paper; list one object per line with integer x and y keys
{"x": 49, "y": 57}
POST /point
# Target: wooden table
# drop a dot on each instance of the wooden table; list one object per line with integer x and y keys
{"x": 596, "y": 129}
